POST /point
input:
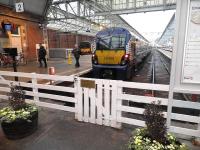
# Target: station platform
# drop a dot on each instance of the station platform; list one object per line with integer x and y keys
{"x": 61, "y": 67}
{"x": 57, "y": 130}
{"x": 168, "y": 54}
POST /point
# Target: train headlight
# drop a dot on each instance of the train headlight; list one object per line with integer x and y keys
{"x": 123, "y": 62}
{"x": 125, "y": 59}
{"x": 94, "y": 59}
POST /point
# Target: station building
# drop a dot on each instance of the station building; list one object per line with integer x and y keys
{"x": 25, "y": 30}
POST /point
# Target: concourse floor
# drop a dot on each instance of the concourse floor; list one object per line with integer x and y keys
{"x": 61, "y": 66}
{"x": 58, "y": 130}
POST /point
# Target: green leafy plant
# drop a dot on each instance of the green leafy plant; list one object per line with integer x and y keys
{"x": 9, "y": 115}
{"x": 155, "y": 122}
{"x": 16, "y": 97}
{"x": 18, "y": 109}
{"x": 154, "y": 136}
{"x": 141, "y": 141}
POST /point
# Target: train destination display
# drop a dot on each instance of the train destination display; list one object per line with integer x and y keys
{"x": 191, "y": 61}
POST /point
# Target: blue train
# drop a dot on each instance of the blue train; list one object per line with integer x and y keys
{"x": 116, "y": 53}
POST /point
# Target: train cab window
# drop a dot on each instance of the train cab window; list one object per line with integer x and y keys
{"x": 103, "y": 43}
{"x": 84, "y": 45}
{"x": 118, "y": 42}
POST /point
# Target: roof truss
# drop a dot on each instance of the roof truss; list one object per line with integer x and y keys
{"x": 79, "y": 16}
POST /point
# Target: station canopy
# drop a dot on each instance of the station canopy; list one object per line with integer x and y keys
{"x": 167, "y": 37}
{"x": 36, "y": 7}
{"x": 90, "y": 16}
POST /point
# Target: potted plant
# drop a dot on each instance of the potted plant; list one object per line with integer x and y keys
{"x": 19, "y": 119}
{"x": 154, "y": 136}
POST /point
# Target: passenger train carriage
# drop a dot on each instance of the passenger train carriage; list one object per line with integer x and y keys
{"x": 85, "y": 48}
{"x": 116, "y": 53}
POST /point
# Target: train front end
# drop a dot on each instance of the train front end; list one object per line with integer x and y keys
{"x": 111, "y": 58}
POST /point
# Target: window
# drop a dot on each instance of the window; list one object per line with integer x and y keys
{"x": 84, "y": 44}
{"x": 103, "y": 43}
{"x": 7, "y": 26}
{"x": 15, "y": 31}
{"x": 116, "y": 42}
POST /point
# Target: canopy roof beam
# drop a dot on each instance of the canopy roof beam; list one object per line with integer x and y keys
{"x": 82, "y": 12}
{"x": 118, "y": 7}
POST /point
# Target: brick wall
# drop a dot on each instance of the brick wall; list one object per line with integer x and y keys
{"x": 64, "y": 40}
{"x": 34, "y": 36}
{"x": 30, "y": 32}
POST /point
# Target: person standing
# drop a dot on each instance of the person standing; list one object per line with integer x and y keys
{"x": 42, "y": 55}
{"x": 76, "y": 52}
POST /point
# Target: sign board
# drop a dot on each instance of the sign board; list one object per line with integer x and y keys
{"x": 19, "y": 7}
{"x": 88, "y": 84}
{"x": 191, "y": 61}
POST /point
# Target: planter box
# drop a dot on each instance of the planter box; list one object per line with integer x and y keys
{"x": 20, "y": 128}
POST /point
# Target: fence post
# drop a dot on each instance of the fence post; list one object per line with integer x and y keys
{"x": 78, "y": 97}
{"x": 99, "y": 103}
{"x": 92, "y": 118}
{"x": 114, "y": 123}
{"x": 198, "y": 128}
{"x": 35, "y": 89}
{"x": 106, "y": 102}
{"x": 118, "y": 103}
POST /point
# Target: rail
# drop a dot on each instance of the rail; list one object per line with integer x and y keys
{"x": 186, "y": 97}
{"x": 152, "y": 73}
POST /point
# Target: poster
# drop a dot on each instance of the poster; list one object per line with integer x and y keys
{"x": 191, "y": 64}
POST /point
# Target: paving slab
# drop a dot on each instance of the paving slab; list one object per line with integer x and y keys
{"x": 61, "y": 66}
{"x": 59, "y": 131}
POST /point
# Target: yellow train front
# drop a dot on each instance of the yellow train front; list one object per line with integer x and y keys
{"x": 114, "y": 54}
{"x": 85, "y": 47}
{"x": 113, "y": 57}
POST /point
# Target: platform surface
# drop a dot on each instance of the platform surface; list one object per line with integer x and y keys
{"x": 168, "y": 54}
{"x": 61, "y": 66}
{"x": 59, "y": 131}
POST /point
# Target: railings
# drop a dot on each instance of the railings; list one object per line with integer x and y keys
{"x": 104, "y": 102}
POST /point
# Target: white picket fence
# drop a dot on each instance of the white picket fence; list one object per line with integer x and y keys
{"x": 35, "y": 86}
{"x": 103, "y": 103}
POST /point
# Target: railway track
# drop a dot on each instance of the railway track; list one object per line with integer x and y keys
{"x": 181, "y": 96}
{"x": 157, "y": 70}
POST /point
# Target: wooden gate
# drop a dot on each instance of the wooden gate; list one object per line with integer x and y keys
{"x": 95, "y": 103}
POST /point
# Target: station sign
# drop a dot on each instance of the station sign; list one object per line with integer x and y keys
{"x": 19, "y": 7}
{"x": 88, "y": 84}
{"x": 191, "y": 61}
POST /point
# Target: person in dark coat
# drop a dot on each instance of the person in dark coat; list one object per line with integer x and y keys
{"x": 76, "y": 52}
{"x": 42, "y": 55}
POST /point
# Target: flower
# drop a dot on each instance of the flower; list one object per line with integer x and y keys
{"x": 18, "y": 109}
{"x": 7, "y": 114}
{"x": 141, "y": 141}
